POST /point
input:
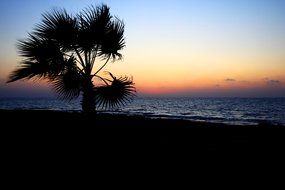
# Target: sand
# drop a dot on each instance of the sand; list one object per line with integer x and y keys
{"x": 105, "y": 131}
{"x": 47, "y": 146}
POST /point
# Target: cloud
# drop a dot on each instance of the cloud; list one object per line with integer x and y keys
{"x": 230, "y": 80}
{"x": 245, "y": 81}
{"x": 272, "y": 82}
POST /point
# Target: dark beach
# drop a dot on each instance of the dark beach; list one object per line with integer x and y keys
{"x": 53, "y": 143}
{"x": 72, "y": 131}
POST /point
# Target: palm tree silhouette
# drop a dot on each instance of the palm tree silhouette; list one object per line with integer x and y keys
{"x": 63, "y": 49}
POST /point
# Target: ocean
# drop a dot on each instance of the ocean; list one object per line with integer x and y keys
{"x": 238, "y": 111}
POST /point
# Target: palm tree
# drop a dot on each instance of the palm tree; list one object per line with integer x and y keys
{"x": 63, "y": 49}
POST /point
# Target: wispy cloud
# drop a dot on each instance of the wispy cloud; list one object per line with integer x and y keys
{"x": 272, "y": 82}
{"x": 230, "y": 80}
{"x": 245, "y": 81}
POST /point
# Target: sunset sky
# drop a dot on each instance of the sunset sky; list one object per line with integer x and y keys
{"x": 212, "y": 48}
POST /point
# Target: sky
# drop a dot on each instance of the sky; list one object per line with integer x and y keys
{"x": 196, "y": 48}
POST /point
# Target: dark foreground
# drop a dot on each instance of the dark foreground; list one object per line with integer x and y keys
{"x": 57, "y": 132}
{"x": 56, "y": 144}
{"x": 44, "y": 147}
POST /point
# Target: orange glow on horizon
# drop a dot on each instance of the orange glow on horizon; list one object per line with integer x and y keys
{"x": 185, "y": 47}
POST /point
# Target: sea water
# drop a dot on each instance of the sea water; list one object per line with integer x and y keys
{"x": 240, "y": 111}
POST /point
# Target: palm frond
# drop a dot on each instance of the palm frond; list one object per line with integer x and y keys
{"x": 69, "y": 83}
{"x": 43, "y": 59}
{"x": 29, "y": 70}
{"x": 113, "y": 40}
{"x": 94, "y": 22}
{"x": 59, "y": 26}
{"x": 35, "y": 48}
{"x": 118, "y": 93}
{"x": 41, "y": 69}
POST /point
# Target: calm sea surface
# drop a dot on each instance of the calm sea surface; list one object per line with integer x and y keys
{"x": 240, "y": 111}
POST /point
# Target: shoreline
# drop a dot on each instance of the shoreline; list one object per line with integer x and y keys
{"x": 155, "y": 117}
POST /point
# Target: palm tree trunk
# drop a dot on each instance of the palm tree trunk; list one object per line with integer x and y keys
{"x": 88, "y": 99}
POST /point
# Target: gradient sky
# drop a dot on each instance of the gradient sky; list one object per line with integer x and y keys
{"x": 174, "y": 47}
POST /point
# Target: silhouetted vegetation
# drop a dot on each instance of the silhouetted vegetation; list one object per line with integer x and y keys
{"x": 64, "y": 48}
